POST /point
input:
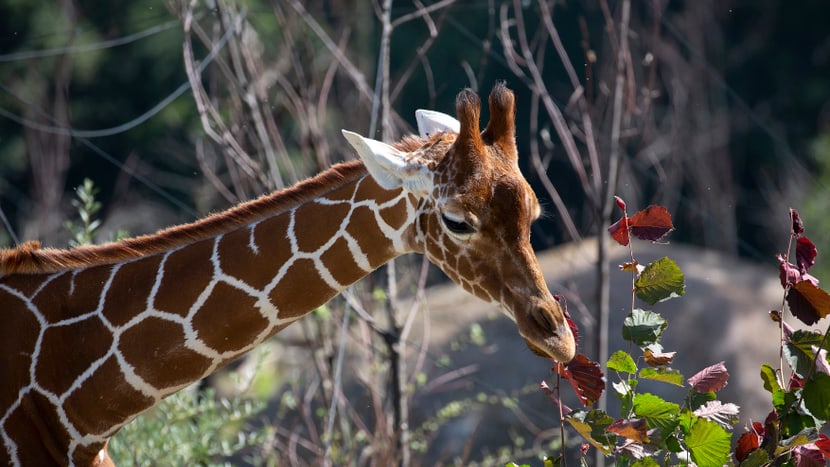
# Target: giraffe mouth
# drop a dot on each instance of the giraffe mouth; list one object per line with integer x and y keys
{"x": 546, "y": 336}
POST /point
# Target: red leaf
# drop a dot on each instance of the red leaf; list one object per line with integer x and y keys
{"x": 797, "y": 226}
{"x": 585, "y": 377}
{"x": 574, "y": 330}
{"x": 808, "y": 455}
{"x": 619, "y": 231}
{"x": 808, "y": 302}
{"x": 747, "y": 443}
{"x": 796, "y": 382}
{"x": 710, "y": 379}
{"x": 805, "y": 254}
{"x": 620, "y": 203}
{"x": 823, "y": 444}
{"x": 652, "y": 223}
{"x": 632, "y": 429}
{"x": 787, "y": 273}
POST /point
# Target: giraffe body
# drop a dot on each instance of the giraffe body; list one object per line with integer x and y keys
{"x": 98, "y": 334}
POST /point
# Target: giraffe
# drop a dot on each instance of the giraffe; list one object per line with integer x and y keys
{"x": 95, "y": 335}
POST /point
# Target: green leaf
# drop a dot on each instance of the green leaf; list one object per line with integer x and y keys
{"x": 799, "y": 350}
{"x": 591, "y": 425}
{"x": 708, "y": 443}
{"x": 622, "y": 361}
{"x": 666, "y": 375}
{"x": 770, "y": 379}
{"x": 697, "y": 399}
{"x": 657, "y": 412}
{"x": 756, "y": 458}
{"x": 643, "y": 327}
{"x": 646, "y": 462}
{"x": 660, "y": 280}
{"x": 816, "y": 395}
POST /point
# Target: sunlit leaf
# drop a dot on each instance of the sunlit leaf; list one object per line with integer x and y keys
{"x": 725, "y": 415}
{"x": 619, "y": 231}
{"x": 708, "y": 443}
{"x": 658, "y": 358}
{"x": 652, "y": 223}
{"x": 770, "y": 378}
{"x": 633, "y": 429}
{"x": 808, "y": 455}
{"x": 808, "y": 302}
{"x": 823, "y": 444}
{"x": 712, "y": 378}
{"x": 666, "y": 375}
{"x": 591, "y": 425}
{"x": 622, "y": 361}
{"x": 657, "y": 412}
{"x": 643, "y": 327}
{"x": 660, "y": 281}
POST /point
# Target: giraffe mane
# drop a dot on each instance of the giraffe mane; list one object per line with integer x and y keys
{"x": 30, "y": 258}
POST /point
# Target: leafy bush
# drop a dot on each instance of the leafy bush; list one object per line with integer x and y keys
{"x": 698, "y": 429}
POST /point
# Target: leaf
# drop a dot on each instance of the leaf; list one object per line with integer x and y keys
{"x": 585, "y": 377}
{"x": 725, "y": 415}
{"x": 823, "y": 444}
{"x": 808, "y": 455}
{"x": 747, "y": 442}
{"x": 633, "y": 429}
{"x": 660, "y": 280}
{"x": 797, "y": 226}
{"x": 757, "y": 458}
{"x": 770, "y": 378}
{"x": 698, "y": 399}
{"x": 708, "y": 443}
{"x": 666, "y": 375}
{"x": 808, "y": 302}
{"x": 800, "y": 350}
{"x": 622, "y": 361}
{"x": 591, "y": 425}
{"x": 643, "y": 327}
{"x": 816, "y": 395}
{"x": 805, "y": 254}
{"x": 619, "y": 231}
{"x": 652, "y": 223}
{"x": 620, "y": 203}
{"x": 712, "y": 378}
{"x": 658, "y": 358}
{"x": 657, "y": 412}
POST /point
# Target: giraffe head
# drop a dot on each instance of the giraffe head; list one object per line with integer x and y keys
{"x": 474, "y": 211}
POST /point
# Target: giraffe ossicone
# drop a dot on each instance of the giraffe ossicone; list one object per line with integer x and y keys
{"x": 95, "y": 335}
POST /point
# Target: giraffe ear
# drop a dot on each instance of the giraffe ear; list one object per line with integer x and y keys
{"x": 390, "y": 167}
{"x": 431, "y": 122}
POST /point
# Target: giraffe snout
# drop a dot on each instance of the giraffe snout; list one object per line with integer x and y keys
{"x": 547, "y": 333}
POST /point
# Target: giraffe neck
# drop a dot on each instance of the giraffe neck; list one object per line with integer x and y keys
{"x": 106, "y": 342}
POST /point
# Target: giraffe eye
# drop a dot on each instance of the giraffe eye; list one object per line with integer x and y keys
{"x": 458, "y": 227}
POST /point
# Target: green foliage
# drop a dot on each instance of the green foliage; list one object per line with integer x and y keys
{"x": 87, "y": 207}
{"x": 659, "y": 281}
{"x": 189, "y": 428}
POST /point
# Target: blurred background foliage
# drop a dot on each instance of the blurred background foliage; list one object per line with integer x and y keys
{"x": 725, "y": 118}
{"x": 743, "y": 83}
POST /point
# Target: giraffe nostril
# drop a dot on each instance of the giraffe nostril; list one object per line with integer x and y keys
{"x": 544, "y": 320}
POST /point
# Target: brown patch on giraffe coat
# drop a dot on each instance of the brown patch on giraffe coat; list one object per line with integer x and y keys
{"x": 32, "y": 434}
{"x": 18, "y": 340}
{"x": 67, "y": 351}
{"x": 229, "y": 319}
{"x": 26, "y": 285}
{"x": 131, "y": 280}
{"x": 238, "y": 260}
{"x": 310, "y": 229}
{"x": 187, "y": 272}
{"x": 395, "y": 216}
{"x": 271, "y": 237}
{"x": 363, "y": 227}
{"x": 104, "y": 400}
{"x": 156, "y": 350}
{"x": 50, "y": 299}
{"x": 301, "y": 288}
{"x": 341, "y": 263}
